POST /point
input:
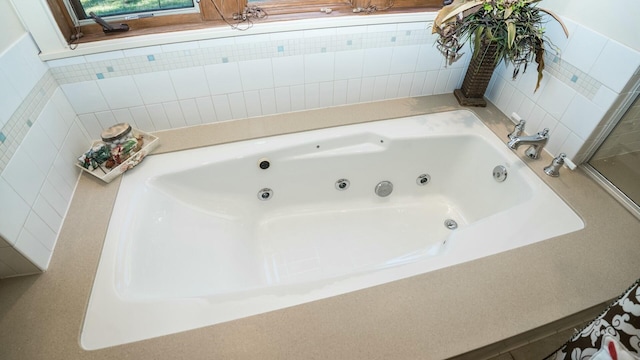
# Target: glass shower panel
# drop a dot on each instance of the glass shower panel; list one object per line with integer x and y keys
{"x": 618, "y": 158}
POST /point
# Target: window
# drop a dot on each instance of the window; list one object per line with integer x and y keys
{"x": 128, "y": 8}
{"x": 143, "y": 16}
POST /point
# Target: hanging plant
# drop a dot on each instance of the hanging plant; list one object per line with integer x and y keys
{"x": 514, "y": 27}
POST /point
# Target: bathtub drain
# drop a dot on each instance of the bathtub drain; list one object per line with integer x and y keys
{"x": 265, "y": 194}
{"x": 451, "y": 224}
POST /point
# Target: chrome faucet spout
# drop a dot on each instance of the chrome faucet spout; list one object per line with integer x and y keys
{"x": 537, "y": 142}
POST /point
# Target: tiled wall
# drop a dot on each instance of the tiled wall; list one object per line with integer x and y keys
{"x": 40, "y": 137}
{"x": 50, "y": 112}
{"x": 162, "y": 87}
{"x": 577, "y": 92}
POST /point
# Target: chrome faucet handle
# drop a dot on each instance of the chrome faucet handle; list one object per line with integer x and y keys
{"x": 533, "y": 152}
{"x": 554, "y": 168}
{"x": 517, "y": 130}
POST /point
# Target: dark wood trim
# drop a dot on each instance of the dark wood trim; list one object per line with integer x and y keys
{"x": 285, "y": 10}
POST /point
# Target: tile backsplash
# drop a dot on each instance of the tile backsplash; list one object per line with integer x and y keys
{"x": 52, "y": 110}
{"x": 580, "y": 85}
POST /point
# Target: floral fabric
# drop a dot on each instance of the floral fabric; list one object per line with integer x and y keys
{"x": 620, "y": 321}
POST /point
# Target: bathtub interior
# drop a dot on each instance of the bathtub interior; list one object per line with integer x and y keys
{"x": 192, "y": 245}
{"x": 308, "y": 230}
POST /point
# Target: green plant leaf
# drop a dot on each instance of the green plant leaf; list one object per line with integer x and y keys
{"x": 511, "y": 33}
{"x": 507, "y": 12}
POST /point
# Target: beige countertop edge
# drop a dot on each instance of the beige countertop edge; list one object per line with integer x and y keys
{"x": 430, "y": 316}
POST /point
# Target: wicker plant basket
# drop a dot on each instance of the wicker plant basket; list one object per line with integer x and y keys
{"x": 477, "y": 77}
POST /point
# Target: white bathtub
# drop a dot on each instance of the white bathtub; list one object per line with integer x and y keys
{"x": 190, "y": 243}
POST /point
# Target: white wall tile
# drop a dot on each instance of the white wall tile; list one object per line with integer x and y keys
{"x": 206, "y": 110}
{"x": 298, "y": 97}
{"x": 24, "y": 176}
{"x": 442, "y": 81}
{"x": 615, "y": 65}
{"x": 348, "y": 64}
{"x": 379, "y": 88}
{"x": 417, "y": 83}
{"x": 604, "y": 97}
{"x": 39, "y": 147}
{"x": 53, "y": 124}
{"x": 312, "y": 96}
{"x": 16, "y": 261}
{"x": 525, "y": 108}
{"x": 583, "y": 48}
{"x": 571, "y": 146}
{"x": 556, "y": 97}
{"x": 190, "y": 82}
{"x": 237, "y": 105}
{"x": 455, "y": 79}
{"x": 10, "y": 99}
{"x": 22, "y": 66}
{"x": 91, "y": 124}
{"x": 158, "y": 116}
{"x": 14, "y": 211}
{"x": 124, "y": 116}
{"x": 582, "y": 116}
{"x": 283, "y": 99}
{"x": 63, "y": 106}
{"x": 353, "y": 91}
{"x": 288, "y": 70}
{"x": 222, "y": 107}
{"x": 554, "y": 31}
{"x": 404, "y": 88}
{"x": 120, "y": 92}
{"x": 377, "y": 61}
{"x": 85, "y": 97}
{"x": 325, "y": 94}
{"x": 429, "y": 58}
{"x": 430, "y": 82}
{"x": 256, "y": 74}
{"x": 64, "y": 167}
{"x": 175, "y": 114}
{"x": 340, "y": 92}
{"x": 505, "y": 97}
{"x": 190, "y": 111}
{"x": 268, "y": 101}
{"x": 65, "y": 190}
{"x": 319, "y": 67}
{"x": 41, "y": 231}
{"x": 155, "y": 87}
{"x": 558, "y": 136}
{"x": 366, "y": 89}
{"x": 393, "y": 83}
{"x": 106, "y": 119}
{"x": 141, "y": 117}
{"x": 252, "y": 103}
{"x": 54, "y": 198}
{"x": 28, "y": 245}
{"x": 404, "y": 59}
{"x": 47, "y": 213}
{"x": 535, "y": 120}
{"x": 75, "y": 144}
{"x": 223, "y": 78}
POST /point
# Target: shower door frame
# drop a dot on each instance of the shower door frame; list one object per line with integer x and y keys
{"x": 614, "y": 119}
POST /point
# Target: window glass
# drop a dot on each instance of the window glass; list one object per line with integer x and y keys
{"x": 121, "y": 7}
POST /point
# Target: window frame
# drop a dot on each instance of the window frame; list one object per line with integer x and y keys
{"x": 208, "y": 16}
